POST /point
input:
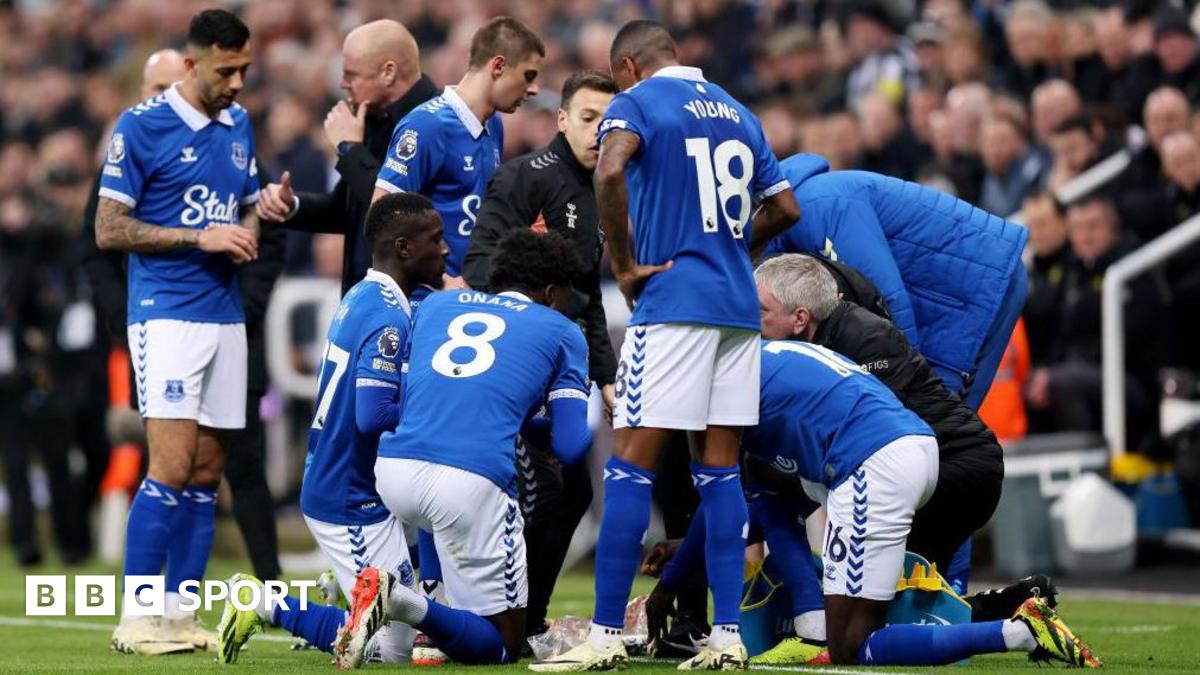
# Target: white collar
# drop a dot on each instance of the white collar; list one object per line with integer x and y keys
{"x": 389, "y": 284}
{"x": 195, "y": 119}
{"x": 459, "y": 106}
{"x": 681, "y": 72}
{"x": 516, "y": 294}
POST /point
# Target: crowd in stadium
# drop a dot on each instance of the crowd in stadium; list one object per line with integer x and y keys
{"x": 1002, "y": 104}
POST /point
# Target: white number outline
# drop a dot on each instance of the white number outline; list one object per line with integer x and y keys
{"x": 720, "y": 185}
{"x": 341, "y": 361}
{"x": 485, "y": 353}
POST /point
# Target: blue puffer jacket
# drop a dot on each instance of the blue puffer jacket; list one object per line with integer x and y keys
{"x": 943, "y": 265}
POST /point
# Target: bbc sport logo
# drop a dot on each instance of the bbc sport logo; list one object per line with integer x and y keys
{"x": 96, "y": 595}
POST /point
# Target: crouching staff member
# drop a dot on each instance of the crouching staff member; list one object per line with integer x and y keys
{"x": 550, "y": 189}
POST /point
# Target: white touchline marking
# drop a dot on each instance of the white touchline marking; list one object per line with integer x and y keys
{"x": 85, "y": 625}
{"x": 1149, "y": 628}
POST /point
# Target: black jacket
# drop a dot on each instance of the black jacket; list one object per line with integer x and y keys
{"x": 549, "y": 185}
{"x": 884, "y": 351}
{"x": 106, "y": 272}
{"x": 344, "y": 210}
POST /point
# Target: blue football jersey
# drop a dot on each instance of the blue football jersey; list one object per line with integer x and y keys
{"x": 363, "y": 349}
{"x": 176, "y": 167}
{"x": 442, "y": 151}
{"x": 701, "y": 165}
{"x": 821, "y": 415}
{"x": 479, "y": 365}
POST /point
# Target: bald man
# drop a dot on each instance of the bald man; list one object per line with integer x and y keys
{"x": 381, "y": 75}
{"x": 164, "y": 68}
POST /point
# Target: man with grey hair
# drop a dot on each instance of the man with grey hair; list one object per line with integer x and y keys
{"x": 799, "y": 300}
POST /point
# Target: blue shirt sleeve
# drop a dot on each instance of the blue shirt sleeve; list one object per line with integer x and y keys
{"x": 570, "y": 379}
{"x": 377, "y": 381}
{"x": 414, "y": 154}
{"x": 129, "y": 161}
{"x": 567, "y": 401}
{"x": 624, "y": 113}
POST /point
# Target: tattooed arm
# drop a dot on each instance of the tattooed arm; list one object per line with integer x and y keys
{"x": 116, "y": 230}
{"x": 613, "y": 202}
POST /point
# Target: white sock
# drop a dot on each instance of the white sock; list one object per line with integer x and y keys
{"x": 603, "y": 637}
{"x": 1018, "y": 637}
{"x": 171, "y": 608}
{"x": 724, "y": 636}
{"x": 266, "y": 608}
{"x": 407, "y": 605}
{"x": 811, "y": 625}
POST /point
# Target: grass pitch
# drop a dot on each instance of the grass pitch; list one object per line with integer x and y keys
{"x": 1130, "y": 637}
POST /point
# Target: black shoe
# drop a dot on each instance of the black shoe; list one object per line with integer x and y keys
{"x": 1002, "y": 603}
{"x": 688, "y": 635}
{"x": 28, "y": 555}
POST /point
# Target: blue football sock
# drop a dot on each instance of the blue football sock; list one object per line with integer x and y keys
{"x": 148, "y": 530}
{"x": 958, "y": 574}
{"x": 911, "y": 645}
{"x": 789, "y": 547}
{"x": 725, "y": 538}
{"x": 619, "y": 548}
{"x": 191, "y": 536}
{"x": 431, "y": 567}
{"x": 465, "y": 637}
{"x": 316, "y": 623}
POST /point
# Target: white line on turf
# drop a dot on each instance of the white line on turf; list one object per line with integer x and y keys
{"x": 784, "y": 669}
{"x": 106, "y": 627}
{"x": 1149, "y": 628}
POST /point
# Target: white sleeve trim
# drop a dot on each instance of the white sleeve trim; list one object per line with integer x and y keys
{"x": 116, "y": 196}
{"x": 250, "y": 198}
{"x": 384, "y": 185}
{"x": 567, "y": 393}
{"x": 372, "y": 382}
{"x": 773, "y": 190}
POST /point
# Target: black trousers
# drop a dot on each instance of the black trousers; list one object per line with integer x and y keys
{"x": 967, "y": 492}
{"x": 553, "y": 501}
{"x": 253, "y": 507}
{"x": 678, "y": 500}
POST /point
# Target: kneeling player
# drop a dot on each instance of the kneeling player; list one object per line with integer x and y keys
{"x": 358, "y": 398}
{"x": 479, "y": 367}
{"x": 873, "y": 463}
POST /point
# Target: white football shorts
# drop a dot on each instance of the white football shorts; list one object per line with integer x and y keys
{"x": 477, "y": 530}
{"x": 870, "y": 516}
{"x": 187, "y": 370}
{"x": 687, "y": 376}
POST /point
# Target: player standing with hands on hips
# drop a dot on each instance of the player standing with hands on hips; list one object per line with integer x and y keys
{"x": 686, "y": 163}
{"x": 178, "y": 194}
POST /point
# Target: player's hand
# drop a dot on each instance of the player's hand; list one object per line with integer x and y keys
{"x": 659, "y": 605}
{"x": 608, "y": 396}
{"x": 450, "y": 283}
{"x": 233, "y": 240}
{"x": 658, "y": 556}
{"x": 276, "y": 200}
{"x": 342, "y": 125}
{"x": 632, "y": 281}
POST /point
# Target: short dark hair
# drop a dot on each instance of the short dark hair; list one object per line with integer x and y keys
{"x": 1046, "y": 195}
{"x": 530, "y": 261}
{"x": 1099, "y": 195}
{"x": 397, "y": 215}
{"x": 507, "y": 37}
{"x": 641, "y": 40}
{"x": 1077, "y": 122}
{"x": 217, "y": 27}
{"x": 596, "y": 80}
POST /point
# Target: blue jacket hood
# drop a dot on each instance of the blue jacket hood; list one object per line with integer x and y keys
{"x": 802, "y": 166}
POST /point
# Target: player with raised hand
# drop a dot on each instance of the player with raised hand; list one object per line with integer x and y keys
{"x": 448, "y": 148}
{"x": 480, "y": 367}
{"x": 686, "y": 163}
{"x": 358, "y": 398}
{"x": 177, "y": 193}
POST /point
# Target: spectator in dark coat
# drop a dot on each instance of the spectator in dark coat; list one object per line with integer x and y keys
{"x": 1014, "y": 169}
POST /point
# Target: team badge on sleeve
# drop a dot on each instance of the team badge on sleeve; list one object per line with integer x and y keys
{"x": 406, "y": 147}
{"x": 389, "y": 342}
{"x": 116, "y": 148}
{"x": 239, "y": 156}
{"x": 174, "y": 391}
